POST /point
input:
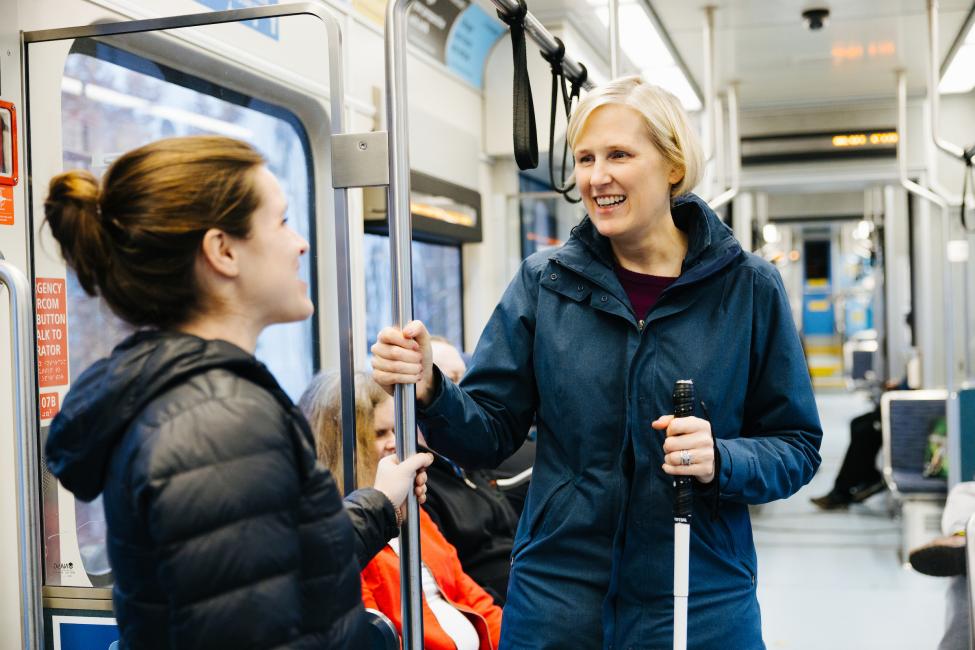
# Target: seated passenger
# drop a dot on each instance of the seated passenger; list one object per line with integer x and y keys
{"x": 457, "y": 613}
{"x": 213, "y": 497}
{"x": 945, "y": 557}
{"x": 859, "y": 478}
{"x": 467, "y": 506}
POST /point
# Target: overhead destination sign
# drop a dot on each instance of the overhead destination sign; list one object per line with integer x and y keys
{"x": 824, "y": 145}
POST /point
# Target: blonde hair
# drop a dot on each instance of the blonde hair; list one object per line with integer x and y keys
{"x": 322, "y": 405}
{"x": 667, "y": 124}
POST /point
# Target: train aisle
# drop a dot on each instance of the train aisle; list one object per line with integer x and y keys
{"x": 832, "y": 579}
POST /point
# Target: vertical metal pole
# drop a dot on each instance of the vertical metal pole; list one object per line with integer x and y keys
{"x": 25, "y": 415}
{"x": 343, "y": 266}
{"x": 614, "y": 39}
{"x": 400, "y": 242}
{"x": 707, "y": 124}
{"x": 933, "y": 96}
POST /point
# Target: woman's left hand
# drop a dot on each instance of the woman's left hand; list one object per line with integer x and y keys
{"x": 688, "y": 439}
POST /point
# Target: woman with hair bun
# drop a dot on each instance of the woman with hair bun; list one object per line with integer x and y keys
{"x": 587, "y": 342}
{"x": 224, "y": 531}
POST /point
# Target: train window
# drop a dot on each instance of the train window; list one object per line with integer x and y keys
{"x": 546, "y": 218}
{"x": 113, "y": 101}
{"x": 437, "y": 287}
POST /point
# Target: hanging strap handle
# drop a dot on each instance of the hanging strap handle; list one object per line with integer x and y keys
{"x": 525, "y": 135}
{"x": 573, "y": 97}
{"x": 968, "y": 180}
{"x": 558, "y": 80}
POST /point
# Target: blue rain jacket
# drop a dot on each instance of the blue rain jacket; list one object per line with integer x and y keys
{"x": 592, "y": 563}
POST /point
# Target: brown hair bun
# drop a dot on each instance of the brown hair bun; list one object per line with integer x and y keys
{"x": 72, "y": 212}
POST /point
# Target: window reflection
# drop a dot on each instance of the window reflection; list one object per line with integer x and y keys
{"x": 437, "y": 288}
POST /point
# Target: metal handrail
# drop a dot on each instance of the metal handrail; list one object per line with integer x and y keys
{"x": 734, "y": 143}
{"x": 614, "y": 38}
{"x": 934, "y": 103}
{"x": 710, "y": 94}
{"x": 542, "y": 37}
{"x": 401, "y": 263}
{"x": 933, "y": 96}
{"x": 27, "y": 440}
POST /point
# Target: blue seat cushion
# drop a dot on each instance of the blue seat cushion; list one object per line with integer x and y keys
{"x": 914, "y": 483}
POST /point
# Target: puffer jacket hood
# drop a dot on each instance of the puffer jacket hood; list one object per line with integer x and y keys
{"x": 105, "y": 399}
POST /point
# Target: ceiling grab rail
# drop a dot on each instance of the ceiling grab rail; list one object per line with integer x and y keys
{"x": 951, "y": 403}
{"x": 401, "y": 261}
{"x": 710, "y": 93}
{"x": 28, "y": 481}
{"x": 614, "y": 38}
{"x": 734, "y": 145}
{"x": 954, "y": 150}
{"x": 357, "y": 160}
{"x": 934, "y": 104}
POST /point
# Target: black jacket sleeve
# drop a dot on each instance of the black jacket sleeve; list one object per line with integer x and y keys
{"x": 374, "y": 520}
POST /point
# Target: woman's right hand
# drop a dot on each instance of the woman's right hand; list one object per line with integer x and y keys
{"x": 394, "y": 479}
{"x": 404, "y": 356}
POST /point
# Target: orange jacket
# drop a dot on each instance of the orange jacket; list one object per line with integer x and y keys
{"x": 381, "y": 590}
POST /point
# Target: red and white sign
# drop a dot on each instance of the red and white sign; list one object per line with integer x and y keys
{"x": 6, "y": 205}
{"x": 52, "y": 332}
{"x": 50, "y": 405}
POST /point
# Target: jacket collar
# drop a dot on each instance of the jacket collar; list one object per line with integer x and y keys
{"x": 710, "y": 246}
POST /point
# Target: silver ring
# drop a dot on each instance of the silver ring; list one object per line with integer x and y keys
{"x": 685, "y": 457}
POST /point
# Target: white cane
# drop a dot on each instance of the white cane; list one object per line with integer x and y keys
{"x": 683, "y": 407}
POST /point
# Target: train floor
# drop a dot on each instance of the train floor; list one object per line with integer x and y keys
{"x": 833, "y": 579}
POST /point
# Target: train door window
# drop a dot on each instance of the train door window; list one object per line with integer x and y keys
{"x": 546, "y": 217}
{"x": 437, "y": 287}
{"x": 113, "y": 101}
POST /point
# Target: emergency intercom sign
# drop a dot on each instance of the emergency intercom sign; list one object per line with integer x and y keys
{"x": 52, "y": 332}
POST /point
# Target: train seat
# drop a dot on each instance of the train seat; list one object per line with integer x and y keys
{"x": 907, "y": 419}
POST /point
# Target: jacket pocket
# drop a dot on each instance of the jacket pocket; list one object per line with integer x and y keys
{"x": 535, "y": 516}
{"x": 734, "y": 546}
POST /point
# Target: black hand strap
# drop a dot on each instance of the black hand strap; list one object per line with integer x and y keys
{"x": 969, "y": 180}
{"x": 525, "y": 136}
{"x": 558, "y": 81}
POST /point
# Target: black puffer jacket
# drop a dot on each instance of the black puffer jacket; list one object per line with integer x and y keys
{"x": 224, "y": 531}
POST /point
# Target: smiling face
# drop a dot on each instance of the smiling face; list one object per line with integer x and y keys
{"x": 271, "y": 289}
{"x": 623, "y": 178}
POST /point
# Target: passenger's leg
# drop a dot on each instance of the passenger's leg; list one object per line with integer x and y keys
{"x": 859, "y": 469}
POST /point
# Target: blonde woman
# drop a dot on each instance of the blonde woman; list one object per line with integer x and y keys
{"x": 587, "y": 341}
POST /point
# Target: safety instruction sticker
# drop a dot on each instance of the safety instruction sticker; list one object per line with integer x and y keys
{"x": 52, "y": 332}
{"x": 6, "y": 205}
{"x": 50, "y": 405}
